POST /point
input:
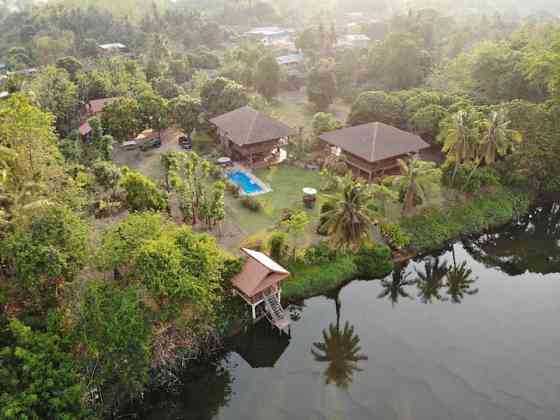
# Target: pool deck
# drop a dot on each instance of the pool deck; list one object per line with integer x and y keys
{"x": 265, "y": 189}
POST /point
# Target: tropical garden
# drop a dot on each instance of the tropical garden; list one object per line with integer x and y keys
{"x": 114, "y": 276}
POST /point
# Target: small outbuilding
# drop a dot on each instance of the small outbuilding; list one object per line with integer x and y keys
{"x": 85, "y": 130}
{"x": 372, "y": 150}
{"x": 259, "y": 285}
{"x": 112, "y": 48}
{"x": 91, "y": 109}
{"x": 96, "y": 106}
{"x": 250, "y": 136}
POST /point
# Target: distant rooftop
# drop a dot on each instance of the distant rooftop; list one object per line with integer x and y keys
{"x": 268, "y": 31}
{"x": 357, "y": 37}
{"x": 95, "y": 106}
{"x": 112, "y": 46}
{"x": 26, "y": 72}
{"x": 290, "y": 58}
{"x": 354, "y": 40}
{"x": 85, "y": 129}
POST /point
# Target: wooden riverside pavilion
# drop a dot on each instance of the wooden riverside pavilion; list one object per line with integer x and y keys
{"x": 249, "y": 136}
{"x": 259, "y": 284}
{"x": 372, "y": 150}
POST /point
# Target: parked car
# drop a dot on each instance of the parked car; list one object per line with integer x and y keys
{"x": 151, "y": 144}
{"x": 185, "y": 142}
{"x": 130, "y": 145}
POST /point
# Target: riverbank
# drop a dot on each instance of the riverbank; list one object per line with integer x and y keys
{"x": 431, "y": 230}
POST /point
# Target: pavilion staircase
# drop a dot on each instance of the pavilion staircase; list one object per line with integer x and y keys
{"x": 275, "y": 313}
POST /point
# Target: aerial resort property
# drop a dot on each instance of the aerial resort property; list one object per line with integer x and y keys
{"x": 279, "y": 209}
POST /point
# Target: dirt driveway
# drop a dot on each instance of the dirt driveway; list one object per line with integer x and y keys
{"x": 149, "y": 163}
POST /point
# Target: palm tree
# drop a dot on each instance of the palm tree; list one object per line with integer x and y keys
{"x": 395, "y": 289}
{"x": 417, "y": 176}
{"x": 18, "y": 195}
{"x": 497, "y": 138}
{"x": 459, "y": 137}
{"x": 341, "y": 349}
{"x": 350, "y": 221}
{"x": 459, "y": 282}
{"x": 432, "y": 280}
{"x": 381, "y": 196}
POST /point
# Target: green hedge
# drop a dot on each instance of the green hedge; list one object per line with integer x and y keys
{"x": 435, "y": 227}
{"x": 312, "y": 280}
{"x": 373, "y": 260}
{"x": 321, "y": 272}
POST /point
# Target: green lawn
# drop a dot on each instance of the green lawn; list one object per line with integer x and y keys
{"x": 296, "y": 114}
{"x": 287, "y": 183}
{"x": 294, "y": 109}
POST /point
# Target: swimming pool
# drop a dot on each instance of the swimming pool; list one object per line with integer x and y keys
{"x": 245, "y": 182}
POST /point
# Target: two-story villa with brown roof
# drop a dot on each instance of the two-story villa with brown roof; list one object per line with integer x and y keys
{"x": 249, "y": 135}
{"x": 372, "y": 150}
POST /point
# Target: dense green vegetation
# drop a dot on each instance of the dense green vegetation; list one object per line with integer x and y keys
{"x": 435, "y": 227}
{"x": 113, "y": 272}
{"x": 322, "y": 269}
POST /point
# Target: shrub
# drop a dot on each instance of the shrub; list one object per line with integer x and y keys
{"x": 170, "y": 160}
{"x": 325, "y": 208}
{"x": 278, "y": 246}
{"x": 257, "y": 242}
{"x": 115, "y": 335}
{"x": 217, "y": 172}
{"x": 468, "y": 180}
{"x": 312, "y": 280}
{"x": 434, "y": 227}
{"x": 232, "y": 188}
{"x": 320, "y": 253}
{"x": 232, "y": 267}
{"x": 373, "y": 260}
{"x": 142, "y": 193}
{"x": 394, "y": 235}
{"x": 39, "y": 375}
{"x": 251, "y": 203}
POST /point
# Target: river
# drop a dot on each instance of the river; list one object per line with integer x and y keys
{"x": 471, "y": 332}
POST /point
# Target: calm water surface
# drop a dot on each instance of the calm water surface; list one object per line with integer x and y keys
{"x": 469, "y": 333}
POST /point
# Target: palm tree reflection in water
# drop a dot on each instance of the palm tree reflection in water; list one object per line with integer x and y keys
{"x": 458, "y": 279}
{"x": 432, "y": 280}
{"x": 396, "y": 288}
{"x": 340, "y": 348}
{"x": 459, "y": 282}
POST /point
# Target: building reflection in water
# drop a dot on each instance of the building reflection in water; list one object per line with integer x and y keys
{"x": 261, "y": 346}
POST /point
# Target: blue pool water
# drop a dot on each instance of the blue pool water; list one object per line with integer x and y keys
{"x": 244, "y": 182}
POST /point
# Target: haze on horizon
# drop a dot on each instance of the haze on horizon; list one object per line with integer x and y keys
{"x": 519, "y": 8}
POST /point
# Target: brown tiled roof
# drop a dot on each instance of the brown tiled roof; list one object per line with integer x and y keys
{"x": 246, "y": 126}
{"x": 85, "y": 129}
{"x": 258, "y": 274}
{"x": 97, "y": 105}
{"x": 375, "y": 141}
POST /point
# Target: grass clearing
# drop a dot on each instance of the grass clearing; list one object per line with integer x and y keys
{"x": 294, "y": 109}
